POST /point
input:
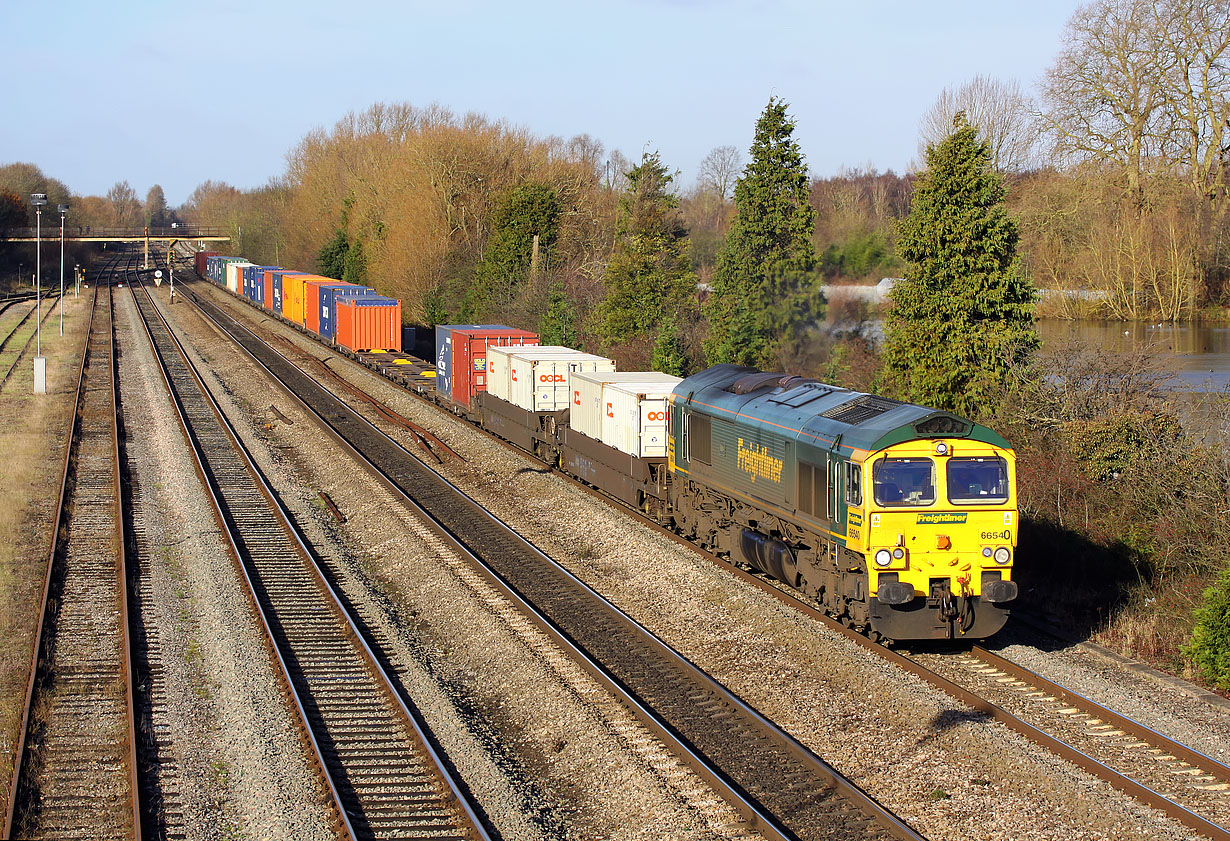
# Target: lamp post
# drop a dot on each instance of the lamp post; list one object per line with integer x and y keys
{"x": 40, "y": 363}
{"x": 63, "y": 210}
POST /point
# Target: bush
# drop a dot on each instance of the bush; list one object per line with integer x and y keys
{"x": 1209, "y": 648}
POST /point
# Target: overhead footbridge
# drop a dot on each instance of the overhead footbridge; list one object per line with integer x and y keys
{"x": 75, "y": 233}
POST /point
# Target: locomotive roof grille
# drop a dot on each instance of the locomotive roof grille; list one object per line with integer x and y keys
{"x": 861, "y": 409}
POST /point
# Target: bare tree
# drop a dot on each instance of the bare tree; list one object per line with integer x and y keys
{"x": 125, "y": 206}
{"x": 1000, "y": 110}
{"x": 719, "y": 170}
{"x": 617, "y": 168}
{"x": 1196, "y": 36}
{"x": 1105, "y": 97}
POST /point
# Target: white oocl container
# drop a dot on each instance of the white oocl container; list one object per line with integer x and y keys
{"x": 625, "y": 410}
{"x": 538, "y": 376}
{"x": 234, "y": 276}
{"x": 499, "y": 365}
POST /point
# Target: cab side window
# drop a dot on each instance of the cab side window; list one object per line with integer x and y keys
{"x": 854, "y": 484}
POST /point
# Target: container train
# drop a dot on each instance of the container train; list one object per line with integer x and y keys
{"x": 346, "y": 314}
{"x": 899, "y": 519}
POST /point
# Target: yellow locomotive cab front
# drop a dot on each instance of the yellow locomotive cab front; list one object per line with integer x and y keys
{"x": 941, "y": 523}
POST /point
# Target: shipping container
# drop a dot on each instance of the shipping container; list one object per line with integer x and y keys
{"x": 254, "y": 280}
{"x": 499, "y": 365}
{"x": 199, "y": 258}
{"x": 294, "y": 296}
{"x": 369, "y": 322}
{"x": 601, "y": 407}
{"x": 633, "y": 414}
{"x": 538, "y": 382}
{"x": 461, "y": 357}
{"x": 275, "y": 288}
{"x": 322, "y": 301}
{"x": 234, "y": 276}
{"x": 215, "y": 267}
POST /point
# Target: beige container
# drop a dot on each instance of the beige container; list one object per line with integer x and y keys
{"x": 234, "y": 276}
{"x": 626, "y": 411}
{"x": 538, "y": 377}
{"x": 499, "y": 366}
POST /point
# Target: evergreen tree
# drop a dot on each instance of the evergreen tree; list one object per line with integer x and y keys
{"x": 528, "y": 210}
{"x": 1209, "y": 647}
{"x": 559, "y": 322}
{"x": 765, "y": 291}
{"x": 331, "y": 261}
{"x": 669, "y": 354}
{"x": 964, "y": 313}
{"x": 650, "y": 270}
{"x": 156, "y": 213}
{"x": 354, "y": 265}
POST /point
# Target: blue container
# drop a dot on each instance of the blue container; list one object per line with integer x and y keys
{"x": 276, "y": 277}
{"x": 444, "y": 353}
{"x": 328, "y": 304}
{"x": 254, "y": 283}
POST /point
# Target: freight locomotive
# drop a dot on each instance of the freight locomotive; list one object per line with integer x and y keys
{"x": 901, "y": 520}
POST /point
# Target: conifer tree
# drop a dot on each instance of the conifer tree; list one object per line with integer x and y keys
{"x": 529, "y": 210}
{"x": 1209, "y": 646}
{"x": 669, "y": 354}
{"x": 331, "y": 260}
{"x": 963, "y": 315}
{"x": 559, "y": 322}
{"x": 354, "y": 265}
{"x": 765, "y": 290}
{"x": 650, "y": 271}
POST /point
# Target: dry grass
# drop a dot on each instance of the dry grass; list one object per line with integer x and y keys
{"x": 1156, "y": 622}
{"x": 33, "y": 433}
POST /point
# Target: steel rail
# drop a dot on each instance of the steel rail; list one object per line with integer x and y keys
{"x": 19, "y": 752}
{"x": 1117, "y": 780}
{"x": 1142, "y": 732}
{"x": 216, "y": 506}
{"x": 771, "y": 825}
{"x": 472, "y": 824}
{"x": 29, "y": 340}
{"x": 67, "y": 475}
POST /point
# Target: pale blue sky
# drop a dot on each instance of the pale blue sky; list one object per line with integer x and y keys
{"x": 176, "y": 93}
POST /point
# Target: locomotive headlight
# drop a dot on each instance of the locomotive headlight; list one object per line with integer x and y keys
{"x": 898, "y": 553}
{"x": 986, "y": 551}
{"x": 1002, "y": 555}
{"x": 883, "y": 558}
{"x": 941, "y": 449}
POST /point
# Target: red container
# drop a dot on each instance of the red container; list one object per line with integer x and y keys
{"x": 311, "y": 301}
{"x": 468, "y": 373}
{"x": 268, "y": 301}
{"x": 369, "y": 323}
{"x": 199, "y": 260}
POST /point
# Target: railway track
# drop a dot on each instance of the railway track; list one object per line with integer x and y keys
{"x": 20, "y": 335}
{"x": 1186, "y": 785}
{"x": 384, "y": 777}
{"x": 782, "y": 788}
{"x": 75, "y": 767}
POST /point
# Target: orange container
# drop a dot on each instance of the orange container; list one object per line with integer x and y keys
{"x": 294, "y": 298}
{"x": 369, "y": 323}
